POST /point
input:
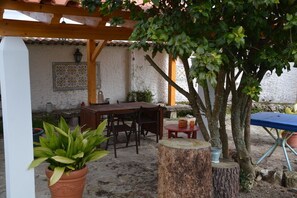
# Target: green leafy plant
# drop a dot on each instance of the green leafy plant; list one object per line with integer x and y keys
{"x": 292, "y": 110}
{"x": 140, "y": 96}
{"x": 145, "y": 96}
{"x": 67, "y": 150}
{"x": 184, "y": 113}
{"x": 37, "y": 121}
{"x": 245, "y": 183}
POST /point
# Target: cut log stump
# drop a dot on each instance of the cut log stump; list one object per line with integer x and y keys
{"x": 225, "y": 177}
{"x": 184, "y": 169}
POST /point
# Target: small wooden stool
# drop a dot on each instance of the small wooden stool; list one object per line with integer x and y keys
{"x": 173, "y": 128}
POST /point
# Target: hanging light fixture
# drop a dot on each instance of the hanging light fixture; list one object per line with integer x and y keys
{"x": 77, "y": 56}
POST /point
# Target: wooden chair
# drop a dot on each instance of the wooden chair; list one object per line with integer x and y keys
{"x": 148, "y": 120}
{"x": 123, "y": 117}
{"x": 115, "y": 127}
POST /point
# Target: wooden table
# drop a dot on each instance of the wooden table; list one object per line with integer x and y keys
{"x": 173, "y": 128}
{"x": 90, "y": 116}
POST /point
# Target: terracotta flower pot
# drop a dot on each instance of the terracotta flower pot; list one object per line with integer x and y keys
{"x": 70, "y": 185}
{"x": 292, "y": 141}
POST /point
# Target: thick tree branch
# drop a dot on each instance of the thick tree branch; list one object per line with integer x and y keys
{"x": 192, "y": 90}
{"x": 208, "y": 111}
{"x": 171, "y": 82}
{"x": 219, "y": 93}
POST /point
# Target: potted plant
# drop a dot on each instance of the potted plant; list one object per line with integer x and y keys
{"x": 140, "y": 96}
{"x": 67, "y": 152}
{"x": 37, "y": 123}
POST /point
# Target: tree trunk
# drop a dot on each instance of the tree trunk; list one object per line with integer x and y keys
{"x": 192, "y": 95}
{"x": 214, "y": 132}
{"x": 247, "y": 130}
{"x": 222, "y": 130}
{"x": 184, "y": 169}
{"x": 225, "y": 177}
{"x": 195, "y": 100}
{"x": 200, "y": 122}
{"x": 245, "y": 162}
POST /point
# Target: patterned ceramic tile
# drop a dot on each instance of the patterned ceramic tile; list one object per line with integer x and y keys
{"x": 71, "y": 76}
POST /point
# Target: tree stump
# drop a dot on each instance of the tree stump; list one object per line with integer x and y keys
{"x": 225, "y": 177}
{"x": 184, "y": 169}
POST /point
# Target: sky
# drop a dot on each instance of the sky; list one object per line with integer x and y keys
{"x": 12, "y": 14}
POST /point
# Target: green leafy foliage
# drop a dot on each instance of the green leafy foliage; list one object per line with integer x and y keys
{"x": 140, "y": 96}
{"x": 245, "y": 181}
{"x": 67, "y": 150}
{"x": 116, "y": 21}
{"x": 234, "y": 42}
{"x": 206, "y": 63}
{"x": 236, "y": 36}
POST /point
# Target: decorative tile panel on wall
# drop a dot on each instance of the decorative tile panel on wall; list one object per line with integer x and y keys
{"x": 72, "y": 76}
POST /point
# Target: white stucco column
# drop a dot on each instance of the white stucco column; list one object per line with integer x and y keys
{"x": 17, "y": 118}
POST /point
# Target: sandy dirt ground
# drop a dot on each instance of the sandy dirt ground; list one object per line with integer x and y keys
{"x": 135, "y": 176}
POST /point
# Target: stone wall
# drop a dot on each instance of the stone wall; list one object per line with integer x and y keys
{"x": 281, "y": 89}
{"x": 123, "y": 70}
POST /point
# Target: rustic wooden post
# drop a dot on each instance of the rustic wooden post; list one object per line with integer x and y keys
{"x": 184, "y": 169}
{"x": 225, "y": 177}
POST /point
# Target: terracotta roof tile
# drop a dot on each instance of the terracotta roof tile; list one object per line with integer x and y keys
{"x": 59, "y": 41}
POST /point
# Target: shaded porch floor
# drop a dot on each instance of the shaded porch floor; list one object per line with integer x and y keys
{"x": 135, "y": 176}
{"x": 129, "y": 175}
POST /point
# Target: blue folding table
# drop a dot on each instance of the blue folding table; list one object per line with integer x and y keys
{"x": 277, "y": 121}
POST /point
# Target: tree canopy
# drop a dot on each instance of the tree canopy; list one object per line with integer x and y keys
{"x": 232, "y": 44}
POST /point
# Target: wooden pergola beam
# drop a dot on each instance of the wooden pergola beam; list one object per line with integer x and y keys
{"x": 98, "y": 49}
{"x": 91, "y": 45}
{"x": 1, "y": 14}
{"x": 92, "y": 53}
{"x": 172, "y": 75}
{"x": 38, "y": 29}
{"x": 56, "y": 19}
{"x": 56, "y": 9}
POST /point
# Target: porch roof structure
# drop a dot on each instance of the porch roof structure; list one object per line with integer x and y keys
{"x": 48, "y": 15}
{"x": 48, "y": 23}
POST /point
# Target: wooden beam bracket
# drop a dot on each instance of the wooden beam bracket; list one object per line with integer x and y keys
{"x": 98, "y": 49}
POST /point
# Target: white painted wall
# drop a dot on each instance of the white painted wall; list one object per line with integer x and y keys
{"x": 281, "y": 89}
{"x": 119, "y": 75}
{"x": 146, "y": 77}
{"x": 123, "y": 70}
{"x": 181, "y": 80}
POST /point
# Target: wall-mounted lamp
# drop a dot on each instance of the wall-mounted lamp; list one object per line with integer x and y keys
{"x": 77, "y": 56}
